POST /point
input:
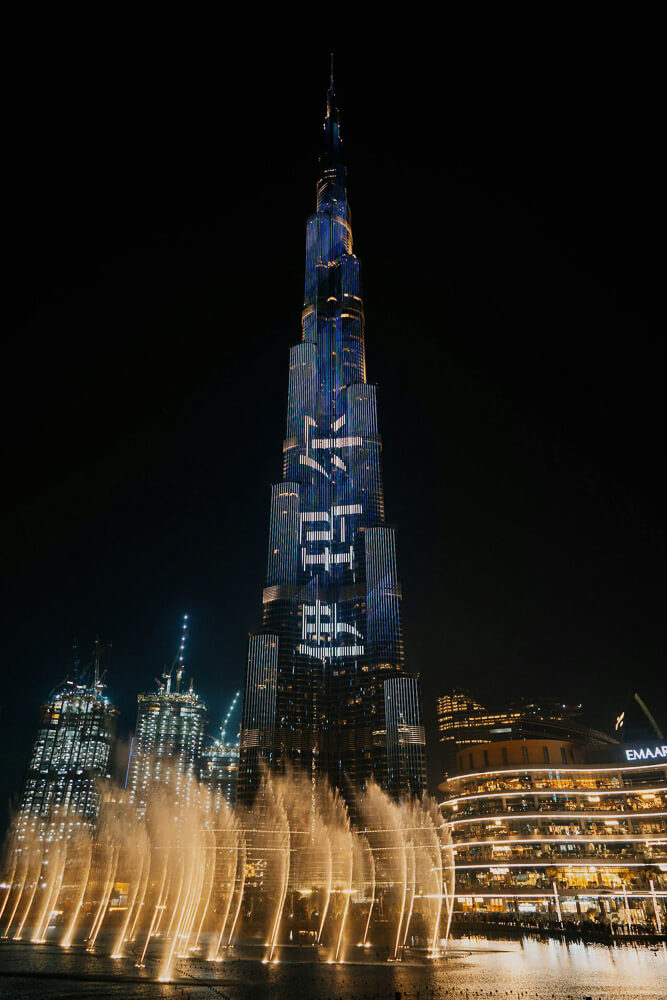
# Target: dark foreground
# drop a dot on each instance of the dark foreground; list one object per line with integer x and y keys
{"x": 508, "y": 970}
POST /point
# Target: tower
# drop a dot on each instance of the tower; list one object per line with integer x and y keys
{"x": 219, "y": 763}
{"x": 70, "y": 757}
{"x": 326, "y": 684}
{"x": 168, "y": 738}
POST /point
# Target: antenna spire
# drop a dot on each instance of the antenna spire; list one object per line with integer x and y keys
{"x": 331, "y": 122}
{"x": 99, "y": 675}
{"x": 223, "y": 727}
{"x": 76, "y": 662}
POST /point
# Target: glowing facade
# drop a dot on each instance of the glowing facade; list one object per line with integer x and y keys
{"x": 219, "y": 771}
{"x": 167, "y": 746}
{"x": 534, "y": 833}
{"x": 464, "y": 722}
{"x": 326, "y": 682}
{"x": 70, "y": 758}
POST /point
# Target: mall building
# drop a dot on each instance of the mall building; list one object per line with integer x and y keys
{"x": 539, "y": 832}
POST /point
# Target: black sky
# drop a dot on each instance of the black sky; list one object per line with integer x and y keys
{"x": 507, "y": 210}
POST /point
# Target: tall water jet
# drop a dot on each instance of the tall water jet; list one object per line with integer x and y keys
{"x": 277, "y": 822}
{"x": 81, "y": 851}
{"x": 293, "y": 868}
{"x": 21, "y": 870}
{"x": 229, "y": 870}
{"x": 54, "y": 879}
{"x": 29, "y": 889}
{"x": 139, "y": 865}
{"x": 241, "y": 887}
{"x": 10, "y": 881}
{"x": 369, "y": 882}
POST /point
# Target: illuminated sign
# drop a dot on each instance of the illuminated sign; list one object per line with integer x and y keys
{"x": 324, "y": 634}
{"x": 333, "y": 530}
{"x": 327, "y": 444}
{"x": 647, "y": 753}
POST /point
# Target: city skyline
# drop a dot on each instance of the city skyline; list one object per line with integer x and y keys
{"x": 127, "y": 538}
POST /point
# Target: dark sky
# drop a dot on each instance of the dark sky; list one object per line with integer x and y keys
{"x": 507, "y": 211}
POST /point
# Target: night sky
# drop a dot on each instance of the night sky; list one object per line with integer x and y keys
{"x": 505, "y": 209}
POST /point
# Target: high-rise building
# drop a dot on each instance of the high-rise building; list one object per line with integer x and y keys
{"x": 70, "y": 758}
{"x": 219, "y": 772}
{"x": 326, "y": 684}
{"x": 463, "y": 721}
{"x": 168, "y": 739}
{"x": 219, "y": 763}
{"x": 540, "y": 831}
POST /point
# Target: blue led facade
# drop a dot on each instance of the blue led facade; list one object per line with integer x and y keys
{"x": 319, "y": 676}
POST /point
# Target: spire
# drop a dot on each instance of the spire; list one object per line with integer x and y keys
{"x": 76, "y": 662}
{"x": 332, "y": 136}
{"x": 331, "y": 93}
{"x": 99, "y": 649}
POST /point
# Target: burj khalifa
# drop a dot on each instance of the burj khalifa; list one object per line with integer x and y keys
{"x": 327, "y": 689}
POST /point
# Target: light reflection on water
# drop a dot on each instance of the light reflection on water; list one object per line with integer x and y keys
{"x": 507, "y": 969}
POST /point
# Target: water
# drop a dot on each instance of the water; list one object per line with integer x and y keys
{"x": 476, "y": 968}
{"x": 295, "y": 861}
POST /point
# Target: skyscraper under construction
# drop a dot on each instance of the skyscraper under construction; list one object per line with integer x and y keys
{"x": 168, "y": 740}
{"x": 326, "y": 684}
{"x": 70, "y": 758}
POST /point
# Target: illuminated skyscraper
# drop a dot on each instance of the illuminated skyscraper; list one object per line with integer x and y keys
{"x": 70, "y": 758}
{"x": 168, "y": 740}
{"x": 219, "y": 763}
{"x": 219, "y": 771}
{"x": 326, "y": 682}
{"x": 464, "y": 722}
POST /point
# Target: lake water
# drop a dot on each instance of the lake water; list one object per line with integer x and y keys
{"x": 476, "y": 968}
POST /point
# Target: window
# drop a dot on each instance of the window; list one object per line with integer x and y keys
{"x": 504, "y": 754}
{"x": 524, "y": 754}
{"x": 486, "y": 758}
{"x": 545, "y": 754}
{"x": 563, "y": 755}
{"x": 470, "y": 761}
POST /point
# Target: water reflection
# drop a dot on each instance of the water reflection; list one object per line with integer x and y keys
{"x": 508, "y": 970}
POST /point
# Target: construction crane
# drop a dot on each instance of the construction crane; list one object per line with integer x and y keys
{"x": 178, "y": 665}
{"x": 223, "y": 727}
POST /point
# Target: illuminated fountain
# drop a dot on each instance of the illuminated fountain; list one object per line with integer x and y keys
{"x": 193, "y": 882}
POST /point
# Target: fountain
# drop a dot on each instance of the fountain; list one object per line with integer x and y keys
{"x": 194, "y": 882}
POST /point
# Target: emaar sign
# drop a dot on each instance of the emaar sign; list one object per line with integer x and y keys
{"x": 647, "y": 753}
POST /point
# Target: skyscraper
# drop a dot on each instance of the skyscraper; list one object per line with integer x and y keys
{"x": 219, "y": 763}
{"x": 168, "y": 739}
{"x": 219, "y": 771}
{"x": 464, "y": 722}
{"x": 70, "y": 757}
{"x": 326, "y": 684}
